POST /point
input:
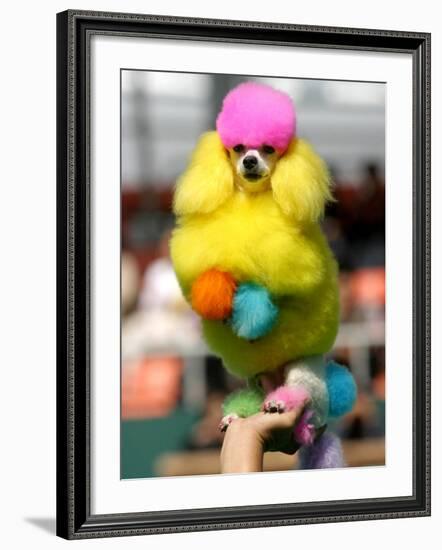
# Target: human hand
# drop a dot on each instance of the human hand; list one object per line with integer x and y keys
{"x": 246, "y": 438}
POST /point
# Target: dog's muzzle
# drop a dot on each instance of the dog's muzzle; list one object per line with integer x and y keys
{"x": 250, "y": 162}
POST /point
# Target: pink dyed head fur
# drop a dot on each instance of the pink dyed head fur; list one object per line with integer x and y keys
{"x": 254, "y": 114}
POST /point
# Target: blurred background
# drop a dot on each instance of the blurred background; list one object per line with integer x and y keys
{"x": 172, "y": 387}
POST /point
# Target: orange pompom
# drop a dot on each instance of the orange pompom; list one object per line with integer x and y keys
{"x": 212, "y": 294}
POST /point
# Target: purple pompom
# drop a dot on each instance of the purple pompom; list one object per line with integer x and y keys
{"x": 326, "y": 452}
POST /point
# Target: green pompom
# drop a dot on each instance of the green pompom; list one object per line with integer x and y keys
{"x": 244, "y": 402}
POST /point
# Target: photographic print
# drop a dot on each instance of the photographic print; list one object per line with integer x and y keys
{"x": 243, "y": 259}
{"x": 253, "y": 269}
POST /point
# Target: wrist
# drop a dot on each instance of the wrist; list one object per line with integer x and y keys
{"x": 243, "y": 448}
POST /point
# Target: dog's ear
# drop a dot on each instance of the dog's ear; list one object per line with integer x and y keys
{"x": 207, "y": 181}
{"x": 301, "y": 182}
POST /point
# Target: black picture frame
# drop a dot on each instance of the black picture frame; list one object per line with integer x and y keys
{"x": 74, "y": 518}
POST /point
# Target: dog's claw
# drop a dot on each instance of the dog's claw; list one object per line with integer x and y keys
{"x": 226, "y": 421}
{"x": 273, "y": 406}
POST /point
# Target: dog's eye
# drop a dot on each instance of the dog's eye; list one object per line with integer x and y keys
{"x": 239, "y": 148}
{"x": 268, "y": 149}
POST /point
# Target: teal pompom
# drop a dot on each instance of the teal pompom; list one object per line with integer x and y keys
{"x": 342, "y": 389}
{"x": 254, "y": 313}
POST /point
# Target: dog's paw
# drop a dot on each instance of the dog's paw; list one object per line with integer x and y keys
{"x": 285, "y": 398}
{"x": 273, "y": 406}
{"x": 254, "y": 314}
{"x": 226, "y": 421}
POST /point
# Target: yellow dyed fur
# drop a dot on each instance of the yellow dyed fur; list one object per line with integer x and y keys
{"x": 272, "y": 238}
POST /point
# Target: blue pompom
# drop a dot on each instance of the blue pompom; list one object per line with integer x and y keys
{"x": 254, "y": 313}
{"x": 341, "y": 389}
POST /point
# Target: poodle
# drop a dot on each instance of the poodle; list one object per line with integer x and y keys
{"x": 252, "y": 261}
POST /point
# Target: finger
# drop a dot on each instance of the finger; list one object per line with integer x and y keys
{"x": 289, "y": 418}
{"x": 282, "y": 420}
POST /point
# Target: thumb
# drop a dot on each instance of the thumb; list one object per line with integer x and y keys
{"x": 284, "y": 420}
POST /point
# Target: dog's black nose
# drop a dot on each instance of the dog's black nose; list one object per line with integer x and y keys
{"x": 250, "y": 162}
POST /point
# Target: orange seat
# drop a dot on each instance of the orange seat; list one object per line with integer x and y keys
{"x": 151, "y": 386}
{"x": 368, "y": 287}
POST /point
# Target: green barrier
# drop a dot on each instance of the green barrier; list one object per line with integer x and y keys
{"x": 143, "y": 441}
